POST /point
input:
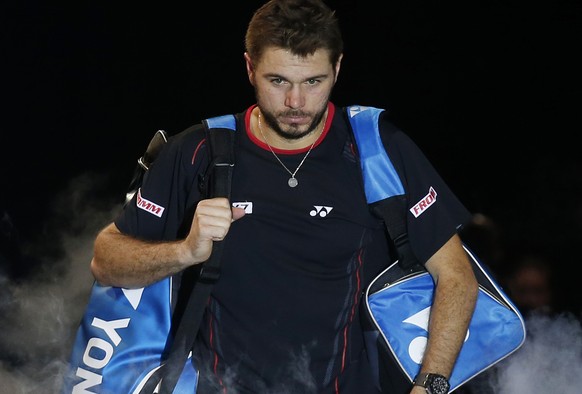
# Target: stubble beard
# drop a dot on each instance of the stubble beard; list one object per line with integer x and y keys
{"x": 293, "y": 134}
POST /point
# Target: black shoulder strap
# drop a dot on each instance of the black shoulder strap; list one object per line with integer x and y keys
{"x": 384, "y": 190}
{"x": 220, "y": 137}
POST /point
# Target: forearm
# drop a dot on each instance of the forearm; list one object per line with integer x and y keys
{"x": 451, "y": 313}
{"x": 453, "y": 305}
{"x": 123, "y": 261}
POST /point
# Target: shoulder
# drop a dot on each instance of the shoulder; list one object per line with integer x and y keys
{"x": 181, "y": 146}
{"x": 190, "y": 144}
{"x": 395, "y": 139}
{"x": 191, "y": 135}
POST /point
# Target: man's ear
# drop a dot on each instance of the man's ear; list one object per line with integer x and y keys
{"x": 250, "y": 68}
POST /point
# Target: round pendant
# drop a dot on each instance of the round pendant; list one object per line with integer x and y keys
{"x": 292, "y": 182}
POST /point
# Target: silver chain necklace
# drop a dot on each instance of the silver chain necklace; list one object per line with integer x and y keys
{"x": 292, "y": 182}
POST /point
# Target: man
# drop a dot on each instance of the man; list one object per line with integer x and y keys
{"x": 285, "y": 315}
{"x": 530, "y": 285}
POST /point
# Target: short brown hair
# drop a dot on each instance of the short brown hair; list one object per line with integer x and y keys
{"x": 301, "y": 26}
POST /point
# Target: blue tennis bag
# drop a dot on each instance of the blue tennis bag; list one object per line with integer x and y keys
{"x": 121, "y": 339}
{"x": 127, "y": 341}
{"x": 399, "y": 304}
{"x": 399, "y": 300}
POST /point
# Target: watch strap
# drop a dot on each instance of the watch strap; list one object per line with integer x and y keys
{"x": 421, "y": 379}
{"x": 426, "y": 378}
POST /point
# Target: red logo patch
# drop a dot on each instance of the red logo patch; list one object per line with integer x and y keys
{"x": 424, "y": 203}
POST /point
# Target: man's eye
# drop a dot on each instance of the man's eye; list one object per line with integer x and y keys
{"x": 277, "y": 81}
{"x": 312, "y": 81}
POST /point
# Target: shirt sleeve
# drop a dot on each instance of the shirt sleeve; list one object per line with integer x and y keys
{"x": 434, "y": 213}
{"x": 163, "y": 207}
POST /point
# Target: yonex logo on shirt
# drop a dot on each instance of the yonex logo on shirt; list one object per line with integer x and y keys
{"x": 148, "y": 206}
{"x": 424, "y": 203}
{"x": 320, "y": 210}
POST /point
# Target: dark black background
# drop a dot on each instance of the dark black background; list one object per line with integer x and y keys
{"x": 489, "y": 90}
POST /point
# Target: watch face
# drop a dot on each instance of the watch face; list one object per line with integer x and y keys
{"x": 437, "y": 385}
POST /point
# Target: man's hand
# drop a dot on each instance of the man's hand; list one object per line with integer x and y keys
{"x": 211, "y": 222}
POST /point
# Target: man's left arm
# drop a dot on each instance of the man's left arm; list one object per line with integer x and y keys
{"x": 456, "y": 290}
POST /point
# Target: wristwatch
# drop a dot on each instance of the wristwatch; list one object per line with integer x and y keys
{"x": 433, "y": 383}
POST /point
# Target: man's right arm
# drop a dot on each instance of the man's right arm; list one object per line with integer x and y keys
{"x": 124, "y": 261}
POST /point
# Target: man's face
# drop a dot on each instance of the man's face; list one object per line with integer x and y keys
{"x": 530, "y": 289}
{"x": 292, "y": 91}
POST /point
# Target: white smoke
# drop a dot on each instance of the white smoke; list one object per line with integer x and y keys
{"x": 550, "y": 361}
{"x": 40, "y": 313}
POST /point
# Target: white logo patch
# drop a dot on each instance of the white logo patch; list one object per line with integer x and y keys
{"x": 247, "y": 206}
{"x": 148, "y": 206}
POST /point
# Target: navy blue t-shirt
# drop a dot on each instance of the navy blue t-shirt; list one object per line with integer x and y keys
{"x": 284, "y": 316}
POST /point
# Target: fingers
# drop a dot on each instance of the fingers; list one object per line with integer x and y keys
{"x": 211, "y": 222}
{"x": 237, "y": 213}
{"x": 214, "y": 217}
